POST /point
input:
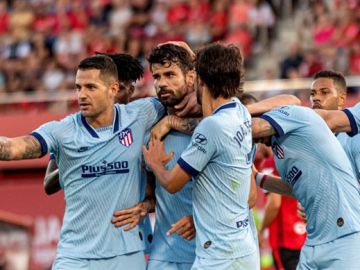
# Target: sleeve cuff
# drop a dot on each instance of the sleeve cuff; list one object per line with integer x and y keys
{"x": 354, "y": 128}
{"x": 280, "y": 132}
{"x": 185, "y": 166}
{"x": 44, "y": 147}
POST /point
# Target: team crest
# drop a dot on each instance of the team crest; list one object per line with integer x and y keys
{"x": 125, "y": 137}
{"x": 278, "y": 151}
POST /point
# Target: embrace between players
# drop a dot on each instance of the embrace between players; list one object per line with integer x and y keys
{"x": 204, "y": 179}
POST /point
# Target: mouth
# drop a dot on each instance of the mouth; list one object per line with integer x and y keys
{"x": 84, "y": 106}
{"x": 165, "y": 94}
{"x": 317, "y": 106}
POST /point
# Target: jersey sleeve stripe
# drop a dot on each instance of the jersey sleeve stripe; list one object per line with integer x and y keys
{"x": 354, "y": 128}
{"x": 44, "y": 146}
{"x": 184, "y": 165}
{"x": 280, "y": 132}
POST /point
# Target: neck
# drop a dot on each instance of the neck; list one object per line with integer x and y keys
{"x": 171, "y": 110}
{"x": 103, "y": 120}
{"x": 212, "y": 104}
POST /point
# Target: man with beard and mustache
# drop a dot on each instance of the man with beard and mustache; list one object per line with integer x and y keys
{"x": 173, "y": 247}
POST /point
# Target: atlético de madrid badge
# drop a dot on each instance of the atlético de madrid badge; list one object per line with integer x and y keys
{"x": 125, "y": 137}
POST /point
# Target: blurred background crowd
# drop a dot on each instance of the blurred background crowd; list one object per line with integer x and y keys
{"x": 42, "y": 41}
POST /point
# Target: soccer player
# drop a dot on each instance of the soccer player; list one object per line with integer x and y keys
{"x": 98, "y": 151}
{"x": 218, "y": 158}
{"x": 315, "y": 169}
{"x": 172, "y": 68}
{"x": 328, "y": 92}
{"x": 129, "y": 70}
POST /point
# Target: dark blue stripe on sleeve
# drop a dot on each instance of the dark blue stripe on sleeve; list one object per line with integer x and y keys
{"x": 354, "y": 128}
{"x": 184, "y": 165}
{"x": 280, "y": 132}
{"x": 44, "y": 147}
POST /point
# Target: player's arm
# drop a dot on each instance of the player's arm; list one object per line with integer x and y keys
{"x": 261, "y": 128}
{"x": 272, "y": 209}
{"x": 268, "y": 104}
{"x": 183, "y": 125}
{"x": 51, "y": 179}
{"x": 273, "y": 183}
{"x": 172, "y": 180}
{"x": 338, "y": 121}
{"x": 24, "y": 147}
{"x": 253, "y": 192}
{"x": 134, "y": 215}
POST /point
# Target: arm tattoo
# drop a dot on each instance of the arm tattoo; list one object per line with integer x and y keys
{"x": 32, "y": 147}
{"x": 4, "y": 148}
{"x": 25, "y": 147}
{"x": 184, "y": 125}
{"x": 261, "y": 128}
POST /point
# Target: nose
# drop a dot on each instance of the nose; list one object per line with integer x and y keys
{"x": 162, "y": 83}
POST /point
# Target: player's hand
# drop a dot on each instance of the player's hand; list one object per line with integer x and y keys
{"x": 189, "y": 106}
{"x": 130, "y": 216}
{"x": 160, "y": 129}
{"x": 184, "y": 227}
{"x": 301, "y": 212}
{"x": 181, "y": 44}
{"x": 156, "y": 154}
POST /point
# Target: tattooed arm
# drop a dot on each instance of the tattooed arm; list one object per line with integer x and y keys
{"x": 261, "y": 128}
{"x": 24, "y": 147}
{"x": 184, "y": 125}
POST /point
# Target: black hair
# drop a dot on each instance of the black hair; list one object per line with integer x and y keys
{"x": 337, "y": 78}
{"x": 221, "y": 68}
{"x": 129, "y": 68}
{"x": 170, "y": 53}
{"x": 103, "y": 63}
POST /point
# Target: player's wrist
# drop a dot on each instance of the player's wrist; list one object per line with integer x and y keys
{"x": 260, "y": 179}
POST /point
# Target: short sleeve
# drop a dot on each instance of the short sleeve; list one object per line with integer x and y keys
{"x": 150, "y": 110}
{"x": 46, "y": 135}
{"x": 286, "y": 119}
{"x": 353, "y": 114}
{"x": 201, "y": 149}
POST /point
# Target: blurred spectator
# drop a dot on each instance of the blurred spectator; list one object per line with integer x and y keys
{"x": 291, "y": 62}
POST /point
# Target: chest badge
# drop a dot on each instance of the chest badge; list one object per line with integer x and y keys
{"x": 126, "y": 137}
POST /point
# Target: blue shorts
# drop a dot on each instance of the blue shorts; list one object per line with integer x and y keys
{"x": 250, "y": 262}
{"x": 157, "y": 265}
{"x": 134, "y": 261}
{"x": 341, "y": 254}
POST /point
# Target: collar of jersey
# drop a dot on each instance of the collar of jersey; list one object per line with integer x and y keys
{"x": 231, "y": 104}
{"x": 93, "y": 132}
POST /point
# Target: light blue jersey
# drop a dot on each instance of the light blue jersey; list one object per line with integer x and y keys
{"x": 351, "y": 146}
{"x": 170, "y": 208}
{"x": 310, "y": 159}
{"x": 353, "y": 114}
{"x": 100, "y": 170}
{"x": 219, "y": 157}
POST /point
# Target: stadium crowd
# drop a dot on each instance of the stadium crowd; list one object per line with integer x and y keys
{"x": 50, "y": 37}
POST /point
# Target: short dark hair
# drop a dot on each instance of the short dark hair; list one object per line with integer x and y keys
{"x": 337, "y": 78}
{"x": 103, "y": 63}
{"x": 129, "y": 68}
{"x": 246, "y": 98}
{"x": 221, "y": 68}
{"x": 170, "y": 53}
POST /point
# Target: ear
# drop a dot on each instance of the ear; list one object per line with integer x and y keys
{"x": 114, "y": 89}
{"x": 190, "y": 79}
{"x": 342, "y": 98}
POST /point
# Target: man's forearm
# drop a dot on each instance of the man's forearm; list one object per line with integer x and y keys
{"x": 268, "y": 104}
{"x": 25, "y": 147}
{"x": 183, "y": 125}
{"x": 51, "y": 182}
{"x": 274, "y": 184}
